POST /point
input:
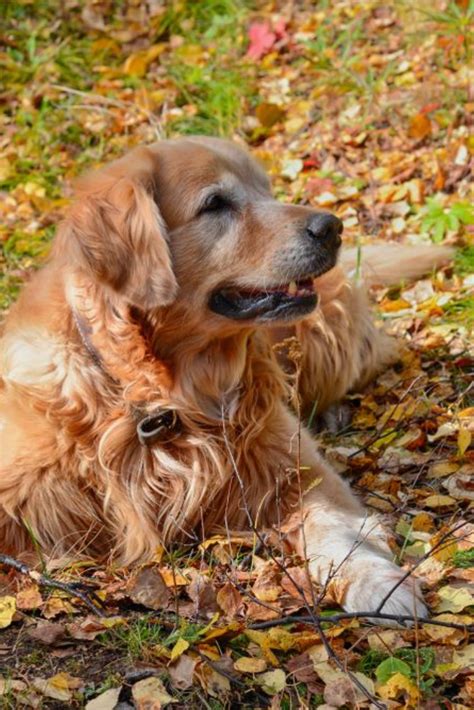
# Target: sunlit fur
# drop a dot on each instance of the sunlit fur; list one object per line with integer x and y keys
{"x": 73, "y": 474}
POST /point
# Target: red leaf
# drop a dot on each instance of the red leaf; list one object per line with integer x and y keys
{"x": 262, "y": 39}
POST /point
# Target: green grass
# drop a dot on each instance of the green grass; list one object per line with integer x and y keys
{"x": 464, "y": 261}
{"x": 464, "y": 558}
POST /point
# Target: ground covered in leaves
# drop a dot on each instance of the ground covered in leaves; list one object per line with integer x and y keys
{"x": 360, "y": 107}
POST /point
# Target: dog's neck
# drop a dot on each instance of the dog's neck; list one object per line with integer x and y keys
{"x": 207, "y": 369}
{"x": 154, "y": 360}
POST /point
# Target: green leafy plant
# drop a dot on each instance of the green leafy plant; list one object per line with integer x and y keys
{"x": 438, "y": 220}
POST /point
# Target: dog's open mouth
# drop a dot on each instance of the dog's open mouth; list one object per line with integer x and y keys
{"x": 283, "y": 302}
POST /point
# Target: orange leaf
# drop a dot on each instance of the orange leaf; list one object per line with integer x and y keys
{"x": 420, "y": 126}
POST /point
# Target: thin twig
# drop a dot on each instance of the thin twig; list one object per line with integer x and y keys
{"x": 336, "y": 618}
{"x": 74, "y": 589}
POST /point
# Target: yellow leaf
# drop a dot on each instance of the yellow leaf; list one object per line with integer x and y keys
{"x": 250, "y": 665}
{"x": 7, "y": 611}
{"x": 5, "y": 169}
{"x": 464, "y": 440}
{"x": 261, "y": 638}
{"x": 135, "y": 65}
{"x": 454, "y": 599}
{"x": 399, "y": 685}
{"x": 465, "y": 657}
{"x": 438, "y": 501}
{"x": 154, "y": 51}
{"x": 443, "y": 633}
{"x": 180, "y": 647}
{"x": 444, "y": 468}
{"x": 173, "y": 578}
{"x": 420, "y": 126}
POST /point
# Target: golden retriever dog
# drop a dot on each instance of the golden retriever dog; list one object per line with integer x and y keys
{"x": 141, "y": 401}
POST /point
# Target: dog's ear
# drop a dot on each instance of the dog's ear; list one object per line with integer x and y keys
{"x": 116, "y": 233}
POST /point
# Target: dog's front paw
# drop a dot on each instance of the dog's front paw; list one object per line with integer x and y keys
{"x": 375, "y": 585}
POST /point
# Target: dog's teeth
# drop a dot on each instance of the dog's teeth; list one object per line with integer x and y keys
{"x": 292, "y": 288}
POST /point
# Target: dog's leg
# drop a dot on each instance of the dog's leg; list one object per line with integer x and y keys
{"x": 342, "y": 542}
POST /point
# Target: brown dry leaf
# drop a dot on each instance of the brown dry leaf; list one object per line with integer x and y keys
{"x": 301, "y": 668}
{"x": 297, "y": 583}
{"x": 151, "y": 694}
{"x": 336, "y": 590}
{"x": 181, "y": 672}
{"x": 257, "y": 611}
{"x": 90, "y": 627}
{"x": 343, "y": 691}
{"x": 203, "y": 594}
{"x": 269, "y": 114}
{"x": 47, "y": 633}
{"x": 213, "y": 682}
{"x": 29, "y": 598}
{"x": 267, "y": 587}
{"x": 149, "y": 589}
{"x": 105, "y": 701}
{"x": 230, "y": 600}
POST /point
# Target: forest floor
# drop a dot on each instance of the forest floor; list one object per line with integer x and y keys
{"x": 362, "y": 108}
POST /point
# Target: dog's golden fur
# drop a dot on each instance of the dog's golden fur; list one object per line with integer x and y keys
{"x": 117, "y": 325}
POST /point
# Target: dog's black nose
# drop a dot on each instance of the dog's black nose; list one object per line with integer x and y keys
{"x": 326, "y": 227}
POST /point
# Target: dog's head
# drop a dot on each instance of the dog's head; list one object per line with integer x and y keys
{"x": 192, "y": 222}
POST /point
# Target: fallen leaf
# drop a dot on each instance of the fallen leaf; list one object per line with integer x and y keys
{"x": 420, "y": 126}
{"x": 246, "y": 664}
{"x": 269, "y": 114}
{"x": 173, "y": 578}
{"x": 151, "y": 694}
{"x": 230, "y": 600}
{"x": 47, "y": 633}
{"x": 389, "y": 667}
{"x": 181, "y": 672}
{"x": 272, "y": 682}
{"x": 400, "y": 686}
{"x": 262, "y": 39}
{"x": 453, "y": 599}
{"x": 203, "y": 594}
{"x": 438, "y": 501}
{"x": 7, "y": 611}
{"x": 343, "y": 691}
{"x": 105, "y": 701}
{"x": 445, "y": 635}
{"x": 464, "y": 440}
{"x": 29, "y": 598}
{"x": 58, "y": 687}
{"x": 149, "y": 589}
{"x": 180, "y": 647}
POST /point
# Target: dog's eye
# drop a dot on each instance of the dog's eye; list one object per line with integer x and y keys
{"x": 215, "y": 203}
